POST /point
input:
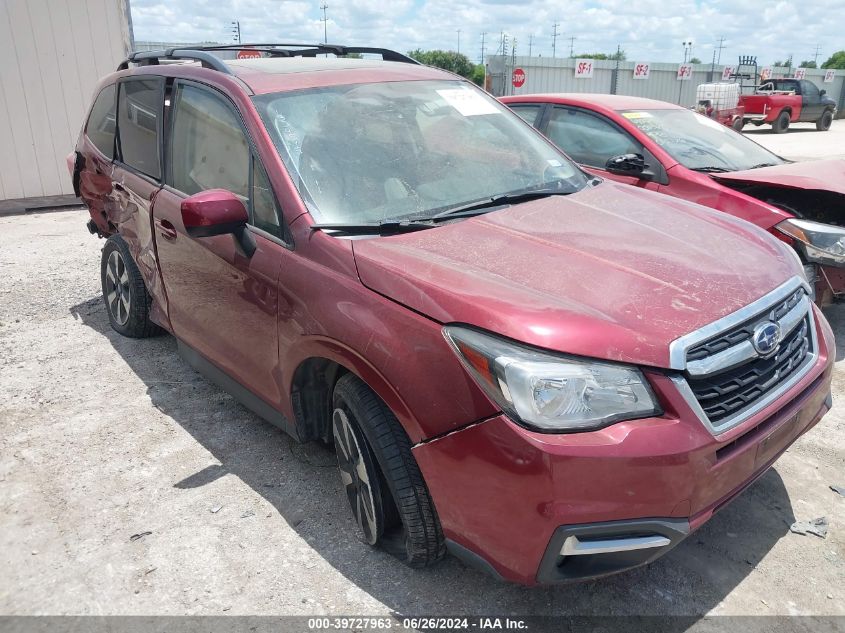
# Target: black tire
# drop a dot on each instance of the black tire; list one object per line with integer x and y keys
{"x": 825, "y": 120}
{"x": 124, "y": 293}
{"x": 738, "y": 124}
{"x": 781, "y": 124}
{"x": 409, "y": 528}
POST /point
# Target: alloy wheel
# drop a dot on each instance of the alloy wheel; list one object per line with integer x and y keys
{"x": 118, "y": 293}
{"x": 356, "y": 474}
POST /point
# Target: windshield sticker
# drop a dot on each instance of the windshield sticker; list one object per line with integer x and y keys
{"x": 636, "y": 115}
{"x": 554, "y": 162}
{"x": 468, "y": 102}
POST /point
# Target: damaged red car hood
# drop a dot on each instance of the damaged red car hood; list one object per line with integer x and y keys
{"x": 823, "y": 175}
{"x": 611, "y": 272}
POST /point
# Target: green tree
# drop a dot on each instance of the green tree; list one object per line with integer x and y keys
{"x": 451, "y": 61}
{"x": 837, "y": 60}
{"x": 694, "y": 60}
{"x": 621, "y": 56}
{"x": 807, "y": 63}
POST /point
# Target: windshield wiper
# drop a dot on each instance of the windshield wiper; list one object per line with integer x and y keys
{"x": 758, "y": 166}
{"x": 374, "y": 228}
{"x": 498, "y": 201}
{"x": 712, "y": 170}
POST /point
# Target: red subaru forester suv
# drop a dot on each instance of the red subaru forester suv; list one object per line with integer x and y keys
{"x": 550, "y": 375}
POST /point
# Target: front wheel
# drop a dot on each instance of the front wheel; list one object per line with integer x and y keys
{"x": 781, "y": 124}
{"x": 381, "y": 479}
{"x": 825, "y": 120}
{"x": 124, "y": 293}
{"x": 738, "y": 124}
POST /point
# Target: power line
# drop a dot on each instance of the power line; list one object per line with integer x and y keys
{"x": 816, "y": 55}
{"x": 236, "y": 31}
{"x": 554, "y": 38}
{"x": 572, "y": 46}
{"x": 483, "y": 35}
{"x": 325, "y": 21}
{"x": 459, "y": 40}
{"x": 719, "y": 48}
{"x": 530, "y": 44}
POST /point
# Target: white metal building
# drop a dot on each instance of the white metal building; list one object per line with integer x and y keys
{"x": 53, "y": 52}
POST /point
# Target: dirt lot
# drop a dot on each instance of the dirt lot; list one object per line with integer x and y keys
{"x": 803, "y": 141}
{"x": 105, "y": 437}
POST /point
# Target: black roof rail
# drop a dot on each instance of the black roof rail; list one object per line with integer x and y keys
{"x": 203, "y": 54}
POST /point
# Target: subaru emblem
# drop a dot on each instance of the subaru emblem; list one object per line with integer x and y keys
{"x": 766, "y": 338}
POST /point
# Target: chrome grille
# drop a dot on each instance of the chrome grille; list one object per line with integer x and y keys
{"x": 727, "y": 392}
{"x": 724, "y": 377}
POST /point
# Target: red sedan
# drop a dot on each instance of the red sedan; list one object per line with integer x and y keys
{"x": 667, "y": 148}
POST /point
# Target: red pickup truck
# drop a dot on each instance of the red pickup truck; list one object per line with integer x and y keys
{"x": 780, "y": 102}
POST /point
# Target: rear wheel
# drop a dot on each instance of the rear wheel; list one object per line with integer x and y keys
{"x": 125, "y": 295}
{"x": 781, "y": 124}
{"x": 825, "y": 120}
{"x": 381, "y": 478}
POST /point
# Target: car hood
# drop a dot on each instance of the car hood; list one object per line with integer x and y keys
{"x": 611, "y": 272}
{"x": 823, "y": 175}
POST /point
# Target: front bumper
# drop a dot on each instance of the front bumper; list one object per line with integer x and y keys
{"x": 509, "y": 498}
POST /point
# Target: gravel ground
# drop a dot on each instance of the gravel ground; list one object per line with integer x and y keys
{"x": 803, "y": 141}
{"x": 105, "y": 437}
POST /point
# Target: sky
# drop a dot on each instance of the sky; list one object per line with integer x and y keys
{"x": 648, "y": 30}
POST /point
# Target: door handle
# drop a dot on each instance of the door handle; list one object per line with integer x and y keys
{"x": 119, "y": 187}
{"x": 166, "y": 230}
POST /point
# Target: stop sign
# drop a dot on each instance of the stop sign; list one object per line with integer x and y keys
{"x": 518, "y": 78}
{"x": 248, "y": 54}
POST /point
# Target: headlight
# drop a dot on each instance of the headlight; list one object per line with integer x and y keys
{"x": 548, "y": 392}
{"x": 820, "y": 243}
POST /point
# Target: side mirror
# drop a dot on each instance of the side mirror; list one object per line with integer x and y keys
{"x": 822, "y": 92}
{"x": 217, "y": 212}
{"x": 213, "y": 212}
{"x": 627, "y": 165}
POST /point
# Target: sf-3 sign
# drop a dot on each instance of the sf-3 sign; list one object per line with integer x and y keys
{"x": 684, "y": 72}
{"x": 642, "y": 70}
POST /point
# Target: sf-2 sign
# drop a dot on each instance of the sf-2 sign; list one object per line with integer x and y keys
{"x": 642, "y": 70}
{"x": 518, "y": 78}
{"x": 583, "y": 69}
{"x": 684, "y": 72}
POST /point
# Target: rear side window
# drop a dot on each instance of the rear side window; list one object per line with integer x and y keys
{"x": 101, "y": 122}
{"x": 139, "y": 124}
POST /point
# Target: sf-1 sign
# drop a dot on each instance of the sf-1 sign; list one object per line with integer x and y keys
{"x": 583, "y": 69}
{"x": 642, "y": 70}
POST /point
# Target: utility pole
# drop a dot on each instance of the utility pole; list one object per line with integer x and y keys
{"x": 483, "y": 35}
{"x": 530, "y": 44}
{"x": 554, "y": 38}
{"x": 572, "y": 46}
{"x": 459, "y": 40}
{"x": 236, "y": 31}
{"x": 325, "y": 21}
{"x": 614, "y": 79}
{"x": 816, "y": 55}
{"x": 719, "y": 48}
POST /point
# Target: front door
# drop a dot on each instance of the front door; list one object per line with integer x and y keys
{"x": 591, "y": 140}
{"x": 223, "y": 304}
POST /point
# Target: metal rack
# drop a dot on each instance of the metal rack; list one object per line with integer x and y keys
{"x": 205, "y": 54}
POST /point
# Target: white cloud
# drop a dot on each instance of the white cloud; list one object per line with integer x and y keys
{"x": 647, "y": 29}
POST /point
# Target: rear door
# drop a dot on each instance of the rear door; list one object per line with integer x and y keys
{"x": 591, "y": 140}
{"x": 222, "y": 303}
{"x": 136, "y": 178}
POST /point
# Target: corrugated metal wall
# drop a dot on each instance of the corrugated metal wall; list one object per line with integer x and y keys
{"x": 53, "y": 52}
{"x": 545, "y": 74}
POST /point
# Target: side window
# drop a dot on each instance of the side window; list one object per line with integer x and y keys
{"x": 208, "y": 149}
{"x": 139, "y": 124}
{"x": 587, "y": 138}
{"x": 809, "y": 89}
{"x": 100, "y": 127}
{"x": 527, "y": 113}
